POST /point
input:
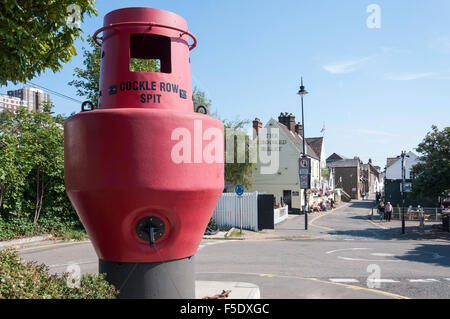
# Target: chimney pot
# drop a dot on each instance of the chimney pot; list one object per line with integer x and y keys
{"x": 299, "y": 129}
{"x": 257, "y": 126}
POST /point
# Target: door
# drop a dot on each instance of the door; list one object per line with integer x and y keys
{"x": 265, "y": 211}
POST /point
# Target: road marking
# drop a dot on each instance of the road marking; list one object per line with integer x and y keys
{"x": 376, "y": 291}
{"x": 333, "y": 251}
{"x": 382, "y": 254}
{"x": 423, "y": 280}
{"x": 311, "y": 223}
{"x": 371, "y": 260}
{"x": 343, "y": 280}
{"x": 325, "y": 214}
{"x": 378, "y": 225}
{"x": 382, "y": 280}
{"x": 210, "y": 243}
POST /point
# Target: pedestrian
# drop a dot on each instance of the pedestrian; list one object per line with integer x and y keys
{"x": 381, "y": 211}
{"x": 389, "y": 209}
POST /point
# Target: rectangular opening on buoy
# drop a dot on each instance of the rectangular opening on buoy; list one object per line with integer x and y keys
{"x": 150, "y": 53}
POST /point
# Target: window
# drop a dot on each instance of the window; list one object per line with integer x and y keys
{"x": 150, "y": 53}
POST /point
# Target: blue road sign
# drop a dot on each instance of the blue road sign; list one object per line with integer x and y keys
{"x": 239, "y": 189}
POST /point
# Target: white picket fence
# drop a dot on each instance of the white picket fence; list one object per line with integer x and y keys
{"x": 280, "y": 214}
{"x": 227, "y": 212}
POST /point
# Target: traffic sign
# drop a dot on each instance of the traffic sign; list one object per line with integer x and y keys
{"x": 304, "y": 181}
{"x": 239, "y": 189}
{"x": 304, "y": 171}
{"x": 304, "y": 162}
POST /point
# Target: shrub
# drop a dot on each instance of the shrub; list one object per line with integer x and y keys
{"x": 28, "y": 280}
{"x": 212, "y": 224}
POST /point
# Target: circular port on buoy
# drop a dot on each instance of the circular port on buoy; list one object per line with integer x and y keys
{"x": 143, "y": 228}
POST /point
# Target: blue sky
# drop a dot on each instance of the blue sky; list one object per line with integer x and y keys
{"x": 378, "y": 91}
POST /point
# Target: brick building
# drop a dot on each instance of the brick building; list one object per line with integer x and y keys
{"x": 348, "y": 174}
{"x": 29, "y": 97}
{"x": 372, "y": 177}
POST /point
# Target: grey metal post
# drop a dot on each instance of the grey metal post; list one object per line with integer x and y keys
{"x": 240, "y": 209}
{"x": 174, "y": 279}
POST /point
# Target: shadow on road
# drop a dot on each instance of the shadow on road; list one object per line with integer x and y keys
{"x": 362, "y": 204}
{"x": 435, "y": 254}
{"x": 412, "y": 233}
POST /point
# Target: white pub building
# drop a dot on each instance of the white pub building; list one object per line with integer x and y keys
{"x": 285, "y": 183}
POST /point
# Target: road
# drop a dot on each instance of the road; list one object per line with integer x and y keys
{"x": 346, "y": 256}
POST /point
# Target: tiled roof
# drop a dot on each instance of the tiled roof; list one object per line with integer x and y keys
{"x": 336, "y": 157}
{"x": 297, "y": 141}
{"x": 390, "y": 161}
{"x": 344, "y": 163}
{"x": 316, "y": 144}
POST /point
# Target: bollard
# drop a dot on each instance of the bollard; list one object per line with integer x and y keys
{"x": 135, "y": 168}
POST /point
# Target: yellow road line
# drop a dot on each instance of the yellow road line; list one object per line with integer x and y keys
{"x": 378, "y": 225}
{"x": 364, "y": 288}
{"x": 376, "y": 291}
{"x": 325, "y": 214}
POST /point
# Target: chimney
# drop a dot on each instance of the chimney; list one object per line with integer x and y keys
{"x": 287, "y": 120}
{"x": 257, "y": 126}
{"x": 370, "y": 160}
{"x": 291, "y": 119}
{"x": 282, "y": 119}
{"x": 299, "y": 128}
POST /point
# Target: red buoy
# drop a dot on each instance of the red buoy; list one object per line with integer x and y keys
{"x": 135, "y": 168}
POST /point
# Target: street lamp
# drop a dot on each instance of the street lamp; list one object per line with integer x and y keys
{"x": 403, "y": 155}
{"x": 302, "y": 92}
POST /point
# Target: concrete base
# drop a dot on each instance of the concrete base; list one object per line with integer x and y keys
{"x": 173, "y": 279}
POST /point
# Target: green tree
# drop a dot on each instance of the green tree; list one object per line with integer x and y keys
{"x": 87, "y": 79}
{"x": 431, "y": 176}
{"x": 199, "y": 98}
{"x": 235, "y": 172}
{"x": 32, "y": 189}
{"x": 37, "y": 34}
{"x": 12, "y": 173}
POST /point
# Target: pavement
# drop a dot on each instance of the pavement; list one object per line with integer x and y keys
{"x": 342, "y": 255}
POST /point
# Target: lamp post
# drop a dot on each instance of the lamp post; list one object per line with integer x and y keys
{"x": 403, "y": 155}
{"x": 302, "y": 92}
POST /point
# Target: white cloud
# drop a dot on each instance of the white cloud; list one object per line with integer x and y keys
{"x": 409, "y": 76}
{"x": 346, "y": 66}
